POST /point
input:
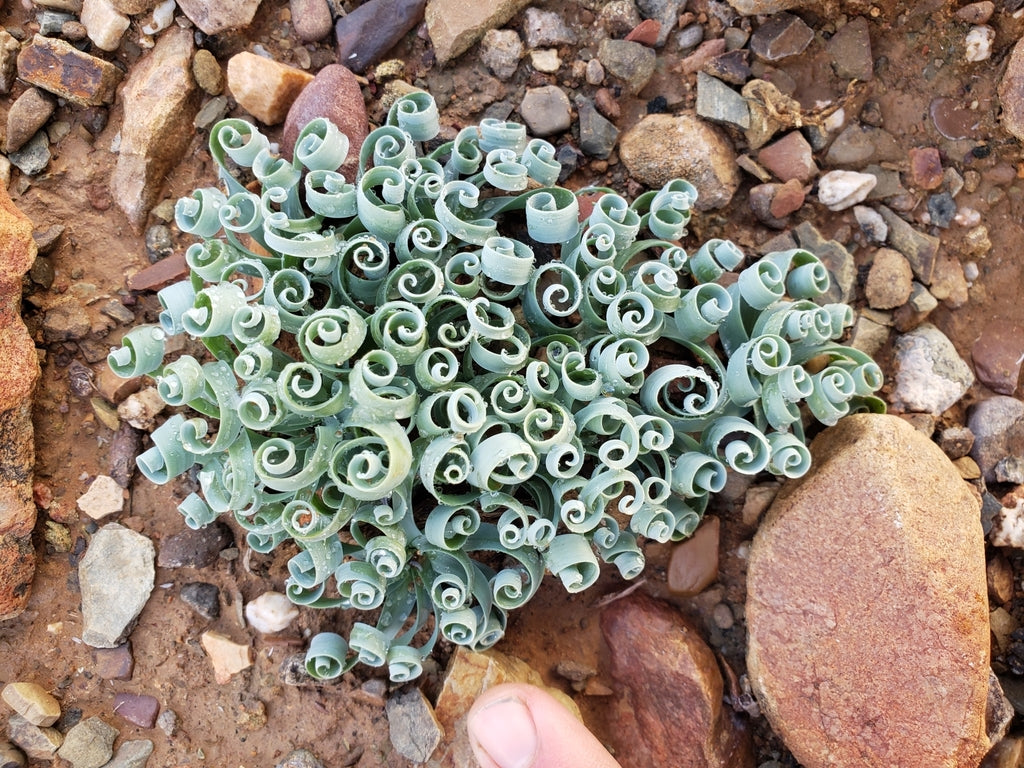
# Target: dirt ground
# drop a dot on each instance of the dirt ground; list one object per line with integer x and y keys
{"x": 255, "y": 719}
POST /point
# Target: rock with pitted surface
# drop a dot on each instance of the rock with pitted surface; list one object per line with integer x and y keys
{"x": 866, "y": 604}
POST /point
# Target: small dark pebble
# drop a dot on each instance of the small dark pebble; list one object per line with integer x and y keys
{"x": 159, "y": 244}
{"x": 203, "y": 598}
{"x": 981, "y": 151}
{"x": 94, "y": 119}
{"x": 69, "y": 718}
{"x": 658, "y": 105}
{"x": 990, "y": 507}
{"x": 570, "y": 158}
{"x": 80, "y": 379}
{"x": 47, "y": 238}
{"x": 194, "y": 549}
{"x": 942, "y": 209}
{"x": 114, "y": 663}
{"x": 91, "y": 527}
{"x": 871, "y": 113}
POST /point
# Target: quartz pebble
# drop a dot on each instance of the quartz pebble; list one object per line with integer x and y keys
{"x": 271, "y": 612}
{"x": 264, "y": 88}
{"x": 104, "y": 497}
{"x": 32, "y": 702}
{"x": 545, "y": 28}
{"x": 226, "y": 656}
{"x": 871, "y": 223}
{"x": 141, "y": 408}
{"x": 930, "y": 375}
{"x": 978, "y": 43}
{"x": 838, "y": 190}
{"x": 104, "y": 24}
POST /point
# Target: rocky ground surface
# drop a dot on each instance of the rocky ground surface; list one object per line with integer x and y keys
{"x": 883, "y": 137}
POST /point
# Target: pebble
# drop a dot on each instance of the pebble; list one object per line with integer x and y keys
{"x": 690, "y": 37}
{"x": 618, "y": 17}
{"x": 889, "y": 281}
{"x": 978, "y": 43}
{"x": 941, "y": 209}
{"x": 216, "y": 16}
{"x": 334, "y": 94}
{"x": 869, "y": 336}
{"x": 271, "y": 612}
{"x": 116, "y": 577}
{"x": 38, "y": 743}
{"x": 32, "y": 702}
{"x": 89, "y": 744}
{"x": 576, "y": 673}
{"x": 203, "y": 598}
{"x": 27, "y": 114}
{"x": 631, "y": 62}
{"x": 211, "y": 112}
{"x": 58, "y": 67}
{"x": 158, "y": 275}
{"x": 501, "y": 50}
{"x": 545, "y": 28}
{"x": 606, "y": 103}
{"x": 871, "y": 223}
{"x": 104, "y": 497}
{"x": 595, "y": 72}
{"x": 998, "y": 354}
{"x": 114, "y": 663}
{"x": 647, "y": 33}
{"x": 664, "y": 147}
{"x": 760, "y": 199}
{"x": 545, "y": 60}
{"x": 693, "y": 566}
{"x": 104, "y": 24}
{"x": 850, "y": 50}
{"x": 141, "y": 408}
{"x": 920, "y": 249}
{"x": 1008, "y": 470}
{"x": 781, "y": 36}
{"x": 930, "y": 375}
{"x": 1011, "y": 92}
{"x": 50, "y": 22}
{"x": 786, "y": 198}
{"x": 132, "y": 754}
{"x": 925, "y": 167}
{"x": 662, "y": 667}
{"x": 167, "y": 722}
{"x": 159, "y": 243}
{"x": 138, "y": 709}
{"x": 412, "y": 725}
{"x": 665, "y": 12}
{"x": 9, "y": 47}
{"x": 160, "y": 102}
{"x": 207, "y": 72}
{"x": 838, "y": 190}
{"x": 816, "y": 612}
{"x": 998, "y": 426}
{"x": 34, "y": 155}
{"x": 546, "y": 110}
{"x": 719, "y": 103}
{"x": 763, "y": 7}
{"x": 265, "y": 88}
{"x": 791, "y": 157}
{"x": 597, "y": 135}
{"x": 860, "y": 145}
{"x": 10, "y": 756}
{"x": 134, "y": 7}
{"x": 366, "y": 34}
{"x": 300, "y": 758}
{"x": 976, "y": 13}
{"x": 226, "y": 656}
{"x": 311, "y": 19}
{"x": 195, "y": 548}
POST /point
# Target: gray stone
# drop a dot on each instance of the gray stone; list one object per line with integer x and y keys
{"x": 167, "y": 722}
{"x": 1010, "y": 470}
{"x": 718, "y": 102}
{"x": 664, "y": 147}
{"x": 888, "y": 185}
{"x": 116, "y": 577}
{"x": 871, "y": 223}
{"x": 214, "y": 16}
{"x": 194, "y": 548}
{"x": 618, "y": 17}
{"x": 500, "y": 51}
{"x": 860, "y": 145}
{"x": 546, "y": 110}
{"x": 89, "y": 744}
{"x": 782, "y": 36}
{"x": 203, "y": 598}
{"x": 213, "y": 110}
{"x": 837, "y": 260}
{"x": 666, "y": 12}
{"x": 597, "y": 135}
{"x": 132, "y": 754}
{"x": 545, "y": 28}
{"x": 869, "y": 336}
{"x": 159, "y": 243}
{"x": 34, "y": 156}
{"x": 690, "y": 37}
{"x": 65, "y": 321}
{"x": 631, "y": 62}
{"x": 930, "y": 375}
{"x": 50, "y": 22}
{"x": 300, "y": 758}
{"x": 941, "y": 209}
{"x": 415, "y": 732}
{"x": 850, "y": 50}
{"x": 998, "y": 427}
{"x": 920, "y": 249}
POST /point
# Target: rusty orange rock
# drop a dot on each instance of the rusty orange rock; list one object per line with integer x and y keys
{"x": 62, "y": 69}
{"x": 19, "y": 371}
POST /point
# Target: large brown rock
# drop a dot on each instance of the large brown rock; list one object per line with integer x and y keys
{"x": 160, "y": 102}
{"x": 672, "y": 711}
{"x": 58, "y": 67}
{"x": 1011, "y": 92}
{"x": 19, "y": 371}
{"x": 867, "y": 608}
{"x": 665, "y": 147}
{"x": 454, "y": 25}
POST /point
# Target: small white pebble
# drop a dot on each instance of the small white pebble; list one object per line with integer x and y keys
{"x": 271, "y": 612}
{"x": 839, "y": 190}
{"x": 163, "y": 15}
{"x": 967, "y": 217}
{"x": 971, "y": 271}
{"x": 834, "y": 121}
{"x": 979, "y": 43}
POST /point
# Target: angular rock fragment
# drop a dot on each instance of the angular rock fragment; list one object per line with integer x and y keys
{"x": 61, "y": 69}
{"x": 263, "y": 87}
{"x": 454, "y": 25}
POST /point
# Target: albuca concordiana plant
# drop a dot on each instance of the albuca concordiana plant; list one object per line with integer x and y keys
{"x": 434, "y": 413}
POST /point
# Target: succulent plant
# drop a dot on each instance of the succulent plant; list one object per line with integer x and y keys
{"x": 443, "y": 379}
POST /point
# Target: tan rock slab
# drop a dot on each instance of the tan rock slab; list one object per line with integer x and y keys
{"x": 227, "y": 657}
{"x": 104, "y": 497}
{"x": 215, "y": 16}
{"x": 38, "y": 743}
{"x": 265, "y": 88}
{"x": 454, "y": 25}
{"x": 61, "y": 69}
{"x": 866, "y": 604}
{"x": 32, "y": 702}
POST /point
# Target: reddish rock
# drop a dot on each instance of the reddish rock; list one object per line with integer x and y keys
{"x": 334, "y": 94}
{"x": 998, "y": 354}
{"x": 925, "y": 167}
{"x": 788, "y": 198}
{"x": 671, "y": 711}
{"x": 161, "y": 100}
{"x": 114, "y": 663}
{"x": 61, "y": 69}
{"x": 156, "y": 276}
{"x": 705, "y": 52}
{"x": 607, "y": 104}
{"x": 977, "y": 13}
{"x": 646, "y": 32}
{"x": 791, "y": 157}
{"x": 694, "y": 563}
{"x": 265, "y": 88}
{"x": 311, "y": 19}
{"x": 866, "y": 604}
{"x": 366, "y": 34}
{"x": 761, "y": 197}
{"x": 137, "y": 708}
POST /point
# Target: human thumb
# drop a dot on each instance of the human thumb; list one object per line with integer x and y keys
{"x": 515, "y": 725}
